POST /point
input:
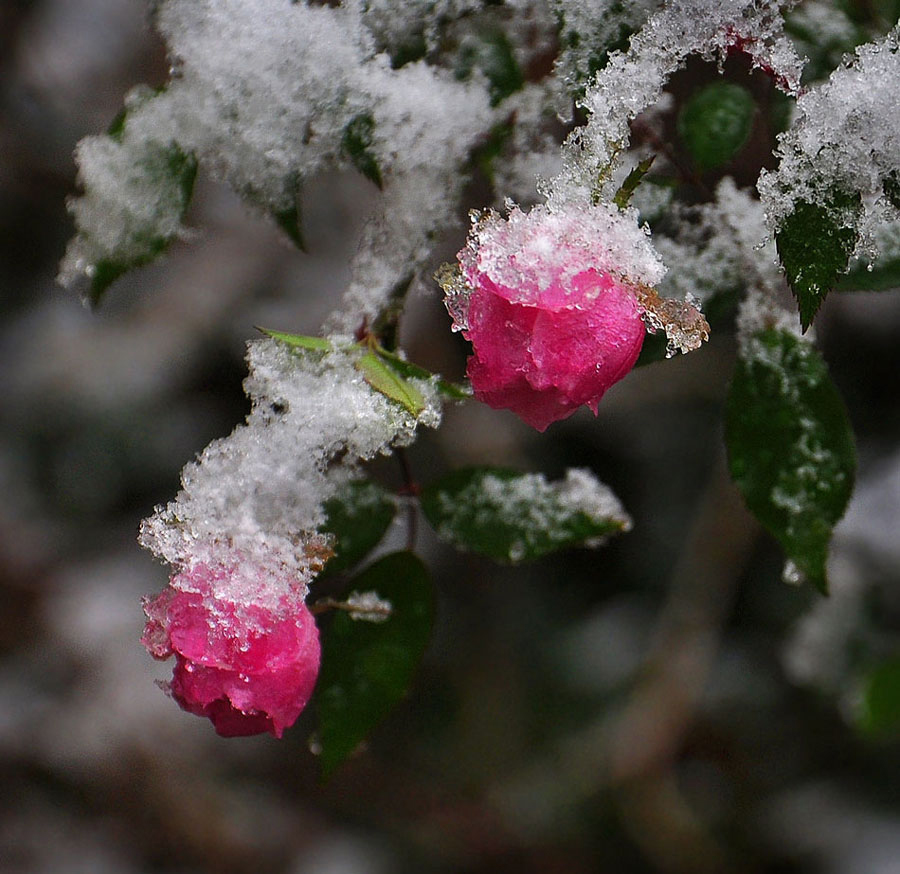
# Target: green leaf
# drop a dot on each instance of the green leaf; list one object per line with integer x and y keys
{"x": 790, "y": 446}
{"x": 412, "y": 371}
{"x": 632, "y": 180}
{"x": 715, "y": 122}
{"x": 368, "y": 667}
{"x": 383, "y": 379}
{"x": 356, "y": 144}
{"x": 513, "y": 517}
{"x": 174, "y": 172}
{"x": 298, "y": 341}
{"x": 358, "y": 517}
{"x": 879, "y": 710}
{"x": 814, "y": 243}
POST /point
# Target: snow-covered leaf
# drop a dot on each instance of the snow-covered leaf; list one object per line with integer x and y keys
{"x": 815, "y": 243}
{"x": 790, "y": 446}
{"x": 512, "y": 517}
{"x": 492, "y": 54}
{"x": 170, "y": 173}
{"x": 357, "y": 516}
{"x": 356, "y": 144}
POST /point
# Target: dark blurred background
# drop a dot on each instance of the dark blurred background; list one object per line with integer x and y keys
{"x": 666, "y": 703}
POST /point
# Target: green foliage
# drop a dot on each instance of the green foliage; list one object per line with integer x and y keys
{"x": 815, "y": 243}
{"x": 790, "y": 446}
{"x": 367, "y": 667}
{"x": 484, "y": 155}
{"x": 879, "y": 710}
{"x": 492, "y": 54}
{"x": 174, "y": 172}
{"x": 385, "y": 380}
{"x": 356, "y": 145}
{"x": 509, "y": 516}
{"x": 358, "y": 517}
{"x": 715, "y": 123}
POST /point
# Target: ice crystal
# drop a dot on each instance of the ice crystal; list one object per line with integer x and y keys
{"x": 538, "y": 508}
{"x": 263, "y": 93}
{"x": 633, "y": 80}
{"x": 258, "y": 493}
{"x": 368, "y": 607}
{"x": 846, "y": 140}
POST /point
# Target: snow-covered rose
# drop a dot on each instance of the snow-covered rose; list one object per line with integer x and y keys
{"x": 550, "y": 303}
{"x": 246, "y": 661}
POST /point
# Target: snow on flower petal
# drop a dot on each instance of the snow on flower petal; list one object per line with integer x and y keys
{"x": 247, "y": 666}
{"x": 550, "y": 302}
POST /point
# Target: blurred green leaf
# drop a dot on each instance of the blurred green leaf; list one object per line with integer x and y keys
{"x": 884, "y": 276}
{"x": 485, "y": 154}
{"x": 814, "y": 243}
{"x": 790, "y": 446}
{"x": 512, "y": 517}
{"x": 368, "y": 667}
{"x": 715, "y": 122}
{"x": 356, "y": 144}
{"x": 492, "y": 54}
{"x": 358, "y": 517}
{"x": 879, "y": 711}
{"x": 385, "y": 380}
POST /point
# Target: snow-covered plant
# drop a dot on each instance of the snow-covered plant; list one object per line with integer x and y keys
{"x": 631, "y": 225}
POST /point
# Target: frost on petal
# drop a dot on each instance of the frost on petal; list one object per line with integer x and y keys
{"x": 249, "y": 667}
{"x": 549, "y": 302}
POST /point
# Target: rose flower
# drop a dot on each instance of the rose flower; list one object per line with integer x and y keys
{"x": 553, "y": 304}
{"x": 245, "y": 657}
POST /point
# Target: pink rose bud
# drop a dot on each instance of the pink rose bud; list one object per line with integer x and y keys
{"x": 544, "y": 300}
{"x": 247, "y": 663}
